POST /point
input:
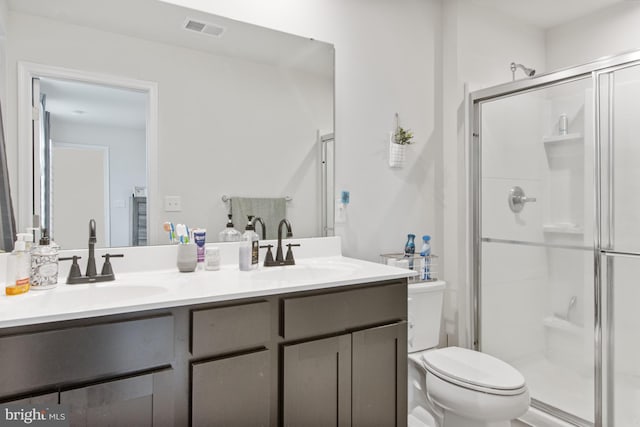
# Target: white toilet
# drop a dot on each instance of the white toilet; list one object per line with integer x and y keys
{"x": 453, "y": 386}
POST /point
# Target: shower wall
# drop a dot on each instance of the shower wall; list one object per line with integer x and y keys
{"x": 512, "y": 276}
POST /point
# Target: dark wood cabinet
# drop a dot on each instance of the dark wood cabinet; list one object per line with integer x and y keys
{"x": 232, "y": 391}
{"x": 316, "y": 383}
{"x": 352, "y": 379}
{"x": 379, "y": 376}
{"x": 333, "y": 357}
{"x": 143, "y": 400}
{"x": 358, "y": 379}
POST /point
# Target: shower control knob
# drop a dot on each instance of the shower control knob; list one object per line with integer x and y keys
{"x": 517, "y": 199}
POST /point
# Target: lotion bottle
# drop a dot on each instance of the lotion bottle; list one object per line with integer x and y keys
{"x": 251, "y": 236}
{"x": 18, "y": 267}
{"x": 244, "y": 255}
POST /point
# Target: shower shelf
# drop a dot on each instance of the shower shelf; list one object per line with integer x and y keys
{"x": 561, "y": 139}
{"x": 562, "y": 228}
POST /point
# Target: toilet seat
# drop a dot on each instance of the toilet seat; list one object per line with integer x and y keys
{"x": 474, "y": 370}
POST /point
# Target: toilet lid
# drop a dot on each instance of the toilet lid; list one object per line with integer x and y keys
{"x": 474, "y": 370}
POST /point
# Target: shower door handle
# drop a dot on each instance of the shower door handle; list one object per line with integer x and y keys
{"x": 517, "y": 199}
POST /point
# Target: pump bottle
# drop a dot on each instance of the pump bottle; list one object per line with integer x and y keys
{"x": 44, "y": 264}
{"x": 251, "y": 236}
{"x": 18, "y": 266}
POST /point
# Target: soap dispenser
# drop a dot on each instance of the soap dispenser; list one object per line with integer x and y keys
{"x": 18, "y": 269}
{"x": 44, "y": 264}
{"x": 229, "y": 234}
{"x": 251, "y": 236}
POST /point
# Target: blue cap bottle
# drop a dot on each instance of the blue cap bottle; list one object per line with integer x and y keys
{"x": 410, "y": 249}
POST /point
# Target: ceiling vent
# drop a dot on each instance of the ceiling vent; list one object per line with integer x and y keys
{"x": 203, "y": 27}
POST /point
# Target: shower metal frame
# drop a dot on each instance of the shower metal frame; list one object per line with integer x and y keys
{"x": 603, "y": 292}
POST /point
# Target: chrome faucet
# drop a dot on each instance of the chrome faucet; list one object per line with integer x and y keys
{"x": 280, "y": 259}
{"x": 75, "y": 276}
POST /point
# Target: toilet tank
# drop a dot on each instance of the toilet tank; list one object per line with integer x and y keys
{"x": 424, "y": 314}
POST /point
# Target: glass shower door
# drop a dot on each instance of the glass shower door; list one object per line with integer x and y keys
{"x": 619, "y": 130}
{"x": 536, "y": 248}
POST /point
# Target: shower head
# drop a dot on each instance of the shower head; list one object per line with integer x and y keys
{"x": 529, "y": 72}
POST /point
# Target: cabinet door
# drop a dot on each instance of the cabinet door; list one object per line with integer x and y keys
{"x": 379, "y": 376}
{"x": 234, "y": 391}
{"x": 43, "y": 399}
{"x": 317, "y": 383}
{"x": 137, "y": 401}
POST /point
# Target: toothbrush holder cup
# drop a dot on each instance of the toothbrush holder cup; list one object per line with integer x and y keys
{"x": 187, "y": 257}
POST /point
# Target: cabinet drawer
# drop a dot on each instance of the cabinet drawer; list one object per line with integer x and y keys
{"x": 343, "y": 310}
{"x": 84, "y": 353}
{"x": 227, "y": 329}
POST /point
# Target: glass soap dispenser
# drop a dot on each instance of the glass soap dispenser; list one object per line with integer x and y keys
{"x": 44, "y": 264}
{"x": 230, "y": 234}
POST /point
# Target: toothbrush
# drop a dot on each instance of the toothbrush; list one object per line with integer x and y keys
{"x": 168, "y": 227}
{"x": 181, "y": 229}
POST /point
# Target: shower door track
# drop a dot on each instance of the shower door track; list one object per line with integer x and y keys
{"x": 601, "y": 342}
{"x": 559, "y": 413}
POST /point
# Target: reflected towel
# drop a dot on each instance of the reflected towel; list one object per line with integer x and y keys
{"x": 270, "y": 209}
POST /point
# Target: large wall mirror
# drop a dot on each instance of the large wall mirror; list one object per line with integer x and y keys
{"x": 139, "y": 112}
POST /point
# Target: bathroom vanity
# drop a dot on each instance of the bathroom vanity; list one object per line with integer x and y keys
{"x": 320, "y": 343}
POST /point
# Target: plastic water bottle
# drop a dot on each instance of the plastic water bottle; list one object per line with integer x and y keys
{"x": 425, "y": 253}
{"x": 410, "y": 249}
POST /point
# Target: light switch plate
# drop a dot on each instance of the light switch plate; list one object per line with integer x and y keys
{"x": 340, "y": 216}
{"x": 172, "y": 203}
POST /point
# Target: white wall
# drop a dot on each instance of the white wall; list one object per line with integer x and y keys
{"x": 608, "y": 32}
{"x": 479, "y": 43}
{"x": 219, "y": 119}
{"x": 127, "y": 167}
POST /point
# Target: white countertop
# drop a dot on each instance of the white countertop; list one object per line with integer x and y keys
{"x": 163, "y": 288}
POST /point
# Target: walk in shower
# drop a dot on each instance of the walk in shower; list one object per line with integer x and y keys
{"x": 555, "y": 189}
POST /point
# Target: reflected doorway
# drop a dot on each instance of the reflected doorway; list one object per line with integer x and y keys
{"x": 92, "y": 161}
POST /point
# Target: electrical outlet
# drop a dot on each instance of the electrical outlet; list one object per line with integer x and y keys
{"x": 172, "y": 204}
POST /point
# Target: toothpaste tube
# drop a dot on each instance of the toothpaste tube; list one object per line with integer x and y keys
{"x": 199, "y": 237}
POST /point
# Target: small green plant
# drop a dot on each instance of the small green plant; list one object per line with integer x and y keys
{"x": 403, "y": 136}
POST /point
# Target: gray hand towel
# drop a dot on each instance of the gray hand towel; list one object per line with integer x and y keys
{"x": 270, "y": 209}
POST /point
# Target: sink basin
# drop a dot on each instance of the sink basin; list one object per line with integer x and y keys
{"x": 305, "y": 272}
{"x": 86, "y": 295}
{"x": 110, "y": 293}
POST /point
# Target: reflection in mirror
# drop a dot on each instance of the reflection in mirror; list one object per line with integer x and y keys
{"x": 95, "y": 135}
{"x": 233, "y": 109}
